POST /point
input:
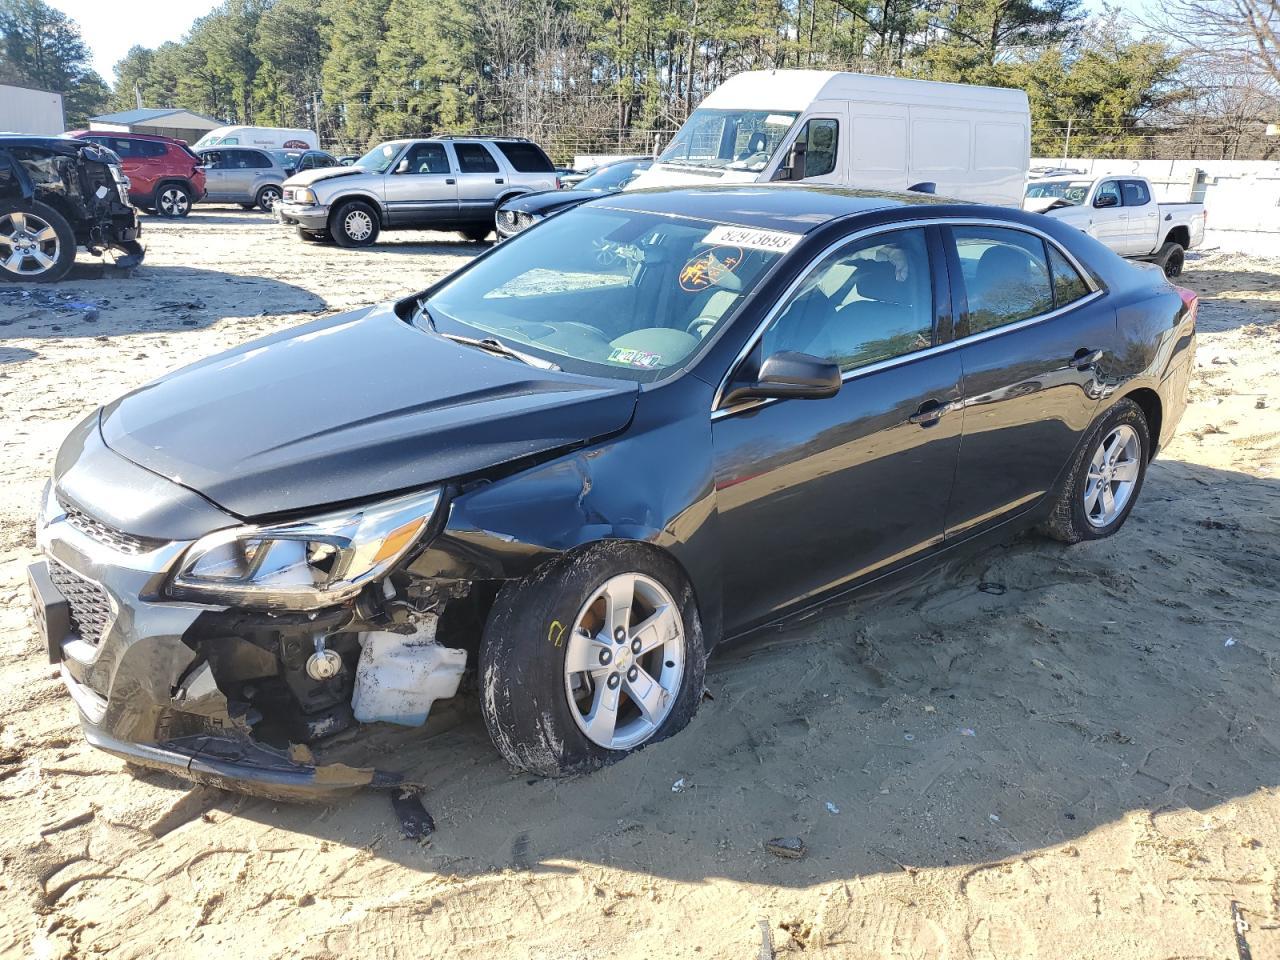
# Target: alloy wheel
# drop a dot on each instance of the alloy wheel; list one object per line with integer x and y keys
{"x": 269, "y": 197}
{"x": 1113, "y": 475}
{"x": 174, "y": 202}
{"x": 624, "y": 661}
{"x": 29, "y": 245}
{"x": 358, "y": 225}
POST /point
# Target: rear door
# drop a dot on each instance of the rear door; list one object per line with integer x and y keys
{"x": 480, "y": 178}
{"x": 422, "y": 188}
{"x": 813, "y": 495}
{"x": 1036, "y": 338}
{"x": 1144, "y": 217}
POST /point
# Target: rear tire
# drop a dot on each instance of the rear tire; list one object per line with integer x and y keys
{"x": 476, "y": 234}
{"x": 1104, "y": 481}
{"x": 538, "y": 709}
{"x": 1174, "y": 260}
{"x": 354, "y": 224}
{"x": 37, "y": 244}
{"x": 173, "y": 201}
{"x": 247, "y": 206}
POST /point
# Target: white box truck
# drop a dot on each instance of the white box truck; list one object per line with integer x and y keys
{"x": 855, "y": 130}
{"x": 24, "y": 110}
{"x": 269, "y": 138}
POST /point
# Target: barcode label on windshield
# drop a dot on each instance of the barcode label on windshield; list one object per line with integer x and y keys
{"x": 774, "y": 241}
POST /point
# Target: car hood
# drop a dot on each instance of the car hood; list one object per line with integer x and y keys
{"x": 308, "y": 177}
{"x": 548, "y": 201}
{"x": 351, "y": 407}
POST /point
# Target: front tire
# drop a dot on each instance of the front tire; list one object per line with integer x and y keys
{"x": 37, "y": 244}
{"x": 173, "y": 201}
{"x": 593, "y": 656}
{"x": 311, "y": 236}
{"x": 354, "y": 224}
{"x": 1105, "y": 479}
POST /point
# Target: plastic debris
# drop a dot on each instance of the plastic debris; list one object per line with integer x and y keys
{"x": 967, "y": 732}
{"x": 993, "y": 818}
{"x": 1231, "y": 642}
{"x": 766, "y": 940}
{"x": 832, "y": 808}
{"x": 415, "y": 822}
{"x": 678, "y": 786}
{"x": 908, "y": 737}
{"x": 789, "y": 848}
{"x": 995, "y": 589}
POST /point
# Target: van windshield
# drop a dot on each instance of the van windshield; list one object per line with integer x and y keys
{"x": 729, "y": 139}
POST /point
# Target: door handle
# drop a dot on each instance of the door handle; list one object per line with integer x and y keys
{"x": 1085, "y": 358}
{"x": 930, "y": 412}
{"x": 449, "y": 181}
{"x": 497, "y": 180}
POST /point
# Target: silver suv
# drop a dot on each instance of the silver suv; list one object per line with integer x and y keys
{"x": 244, "y": 175}
{"x": 436, "y": 183}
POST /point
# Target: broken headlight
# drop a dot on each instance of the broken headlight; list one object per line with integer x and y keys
{"x": 304, "y": 564}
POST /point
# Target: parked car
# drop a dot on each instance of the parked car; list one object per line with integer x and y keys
{"x": 1121, "y": 211}
{"x": 296, "y": 161}
{"x": 243, "y": 175}
{"x": 165, "y": 175}
{"x": 347, "y": 159}
{"x": 58, "y": 194}
{"x": 439, "y": 183}
{"x": 852, "y": 129}
{"x": 280, "y": 138}
{"x": 525, "y": 210}
{"x": 580, "y": 462}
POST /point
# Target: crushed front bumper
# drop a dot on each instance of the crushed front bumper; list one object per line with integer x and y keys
{"x": 308, "y": 216}
{"x": 143, "y": 688}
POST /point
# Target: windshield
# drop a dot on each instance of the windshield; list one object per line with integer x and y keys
{"x": 605, "y": 292}
{"x": 615, "y": 176}
{"x": 1073, "y": 191}
{"x": 286, "y": 158}
{"x": 380, "y": 158}
{"x": 732, "y": 139}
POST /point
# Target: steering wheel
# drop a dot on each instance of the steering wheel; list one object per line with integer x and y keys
{"x": 701, "y": 326}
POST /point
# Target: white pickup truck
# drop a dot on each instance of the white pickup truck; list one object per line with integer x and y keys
{"x": 1121, "y": 211}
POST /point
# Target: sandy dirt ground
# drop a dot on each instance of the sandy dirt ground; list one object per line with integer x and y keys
{"x": 1083, "y": 765}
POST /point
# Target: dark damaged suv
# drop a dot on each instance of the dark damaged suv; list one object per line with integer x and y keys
{"x": 58, "y": 194}
{"x": 572, "y": 467}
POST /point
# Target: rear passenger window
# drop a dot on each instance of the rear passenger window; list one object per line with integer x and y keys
{"x": 1135, "y": 193}
{"x": 1068, "y": 285}
{"x": 1006, "y": 276}
{"x": 252, "y": 160}
{"x": 474, "y": 158}
{"x": 871, "y": 301}
{"x": 820, "y": 138}
{"x": 526, "y": 157}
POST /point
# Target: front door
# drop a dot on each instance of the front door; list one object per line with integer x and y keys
{"x": 422, "y": 190}
{"x": 1109, "y": 224}
{"x": 1039, "y": 339}
{"x": 815, "y": 494}
{"x": 1144, "y": 217}
{"x": 215, "y": 174}
{"x": 480, "y": 180}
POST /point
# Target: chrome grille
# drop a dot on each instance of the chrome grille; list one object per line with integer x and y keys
{"x": 91, "y": 612}
{"x": 95, "y": 529}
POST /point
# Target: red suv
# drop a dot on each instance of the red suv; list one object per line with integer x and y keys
{"x": 165, "y": 177}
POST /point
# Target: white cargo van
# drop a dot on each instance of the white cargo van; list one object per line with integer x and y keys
{"x": 850, "y": 129}
{"x": 269, "y": 138}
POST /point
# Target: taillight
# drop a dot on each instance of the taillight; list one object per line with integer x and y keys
{"x": 1192, "y": 301}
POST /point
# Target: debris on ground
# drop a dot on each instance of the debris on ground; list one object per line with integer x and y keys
{"x": 789, "y": 848}
{"x": 415, "y": 822}
{"x": 832, "y": 808}
{"x": 995, "y": 589}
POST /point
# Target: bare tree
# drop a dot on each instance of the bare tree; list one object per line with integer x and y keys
{"x": 1221, "y": 30}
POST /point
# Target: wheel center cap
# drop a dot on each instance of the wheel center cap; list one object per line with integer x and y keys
{"x": 623, "y": 657}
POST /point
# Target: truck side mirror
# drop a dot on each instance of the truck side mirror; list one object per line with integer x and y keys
{"x": 793, "y": 167}
{"x": 1106, "y": 200}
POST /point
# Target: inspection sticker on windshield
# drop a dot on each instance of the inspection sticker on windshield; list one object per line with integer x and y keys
{"x": 635, "y": 358}
{"x": 774, "y": 241}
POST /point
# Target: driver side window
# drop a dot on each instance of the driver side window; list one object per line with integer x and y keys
{"x": 1109, "y": 189}
{"x": 820, "y": 138}
{"x": 427, "y": 158}
{"x": 870, "y": 301}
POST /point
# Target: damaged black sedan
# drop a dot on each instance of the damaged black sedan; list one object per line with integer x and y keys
{"x": 561, "y": 475}
{"x": 58, "y": 194}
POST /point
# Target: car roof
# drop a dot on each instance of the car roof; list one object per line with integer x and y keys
{"x": 791, "y": 208}
{"x": 121, "y": 135}
{"x": 65, "y": 145}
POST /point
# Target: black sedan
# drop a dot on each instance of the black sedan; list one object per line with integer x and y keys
{"x": 528, "y": 208}
{"x": 575, "y": 466}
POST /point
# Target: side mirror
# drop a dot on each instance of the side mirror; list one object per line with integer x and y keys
{"x": 1106, "y": 200}
{"x": 788, "y": 375}
{"x": 403, "y": 166}
{"x": 793, "y": 166}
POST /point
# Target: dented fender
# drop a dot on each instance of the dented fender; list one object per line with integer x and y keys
{"x": 504, "y": 527}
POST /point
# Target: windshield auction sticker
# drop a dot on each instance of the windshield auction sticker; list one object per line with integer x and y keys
{"x": 774, "y": 241}
{"x": 707, "y": 268}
